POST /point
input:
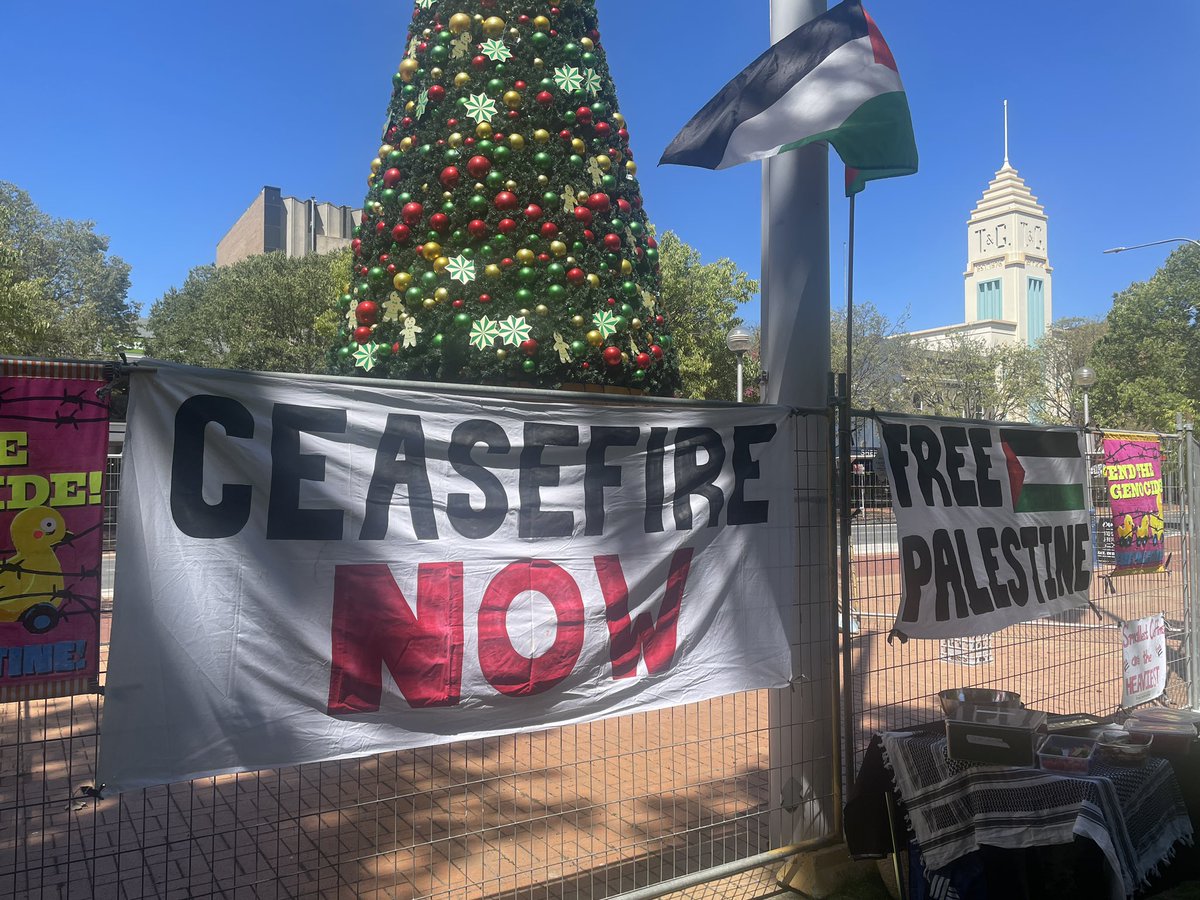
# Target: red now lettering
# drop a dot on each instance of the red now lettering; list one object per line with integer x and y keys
{"x": 373, "y": 626}
{"x": 643, "y": 637}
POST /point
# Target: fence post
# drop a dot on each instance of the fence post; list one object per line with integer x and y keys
{"x": 1191, "y": 552}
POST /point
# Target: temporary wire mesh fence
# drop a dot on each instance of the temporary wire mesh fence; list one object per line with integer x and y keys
{"x": 1068, "y": 663}
{"x": 582, "y": 811}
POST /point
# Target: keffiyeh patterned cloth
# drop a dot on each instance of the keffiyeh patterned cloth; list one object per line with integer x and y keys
{"x": 1135, "y": 816}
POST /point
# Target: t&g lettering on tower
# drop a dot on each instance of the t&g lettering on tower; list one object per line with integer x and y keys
{"x": 992, "y": 523}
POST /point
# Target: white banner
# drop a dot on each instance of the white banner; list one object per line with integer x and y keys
{"x": 317, "y": 569}
{"x": 1143, "y": 660}
{"x": 992, "y": 523}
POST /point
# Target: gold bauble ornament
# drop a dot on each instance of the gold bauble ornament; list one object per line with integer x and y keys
{"x": 385, "y": 149}
{"x": 462, "y": 79}
{"x": 626, "y": 267}
{"x": 483, "y": 130}
{"x": 570, "y": 260}
{"x": 516, "y": 142}
{"x": 436, "y": 73}
{"x": 512, "y": 99}
{"x": 631, "y": 167}
{"x": 595, "y": 338}
{"x": 635, "y": 324}
{"x": 586, "y": 43}
{"x": 477, "y": 18}
{"x": 410, "y": 106}
{"x": 406, "y": 145}
{"x": 501, "y": 354}
{"x": 523, "y": 312}
{"x": 455, "y": 140}
{"x": 542, "y": 309}
{"x": 578, "y": 145}
{"x": 541, "y": 135}
{"x": 441, "y": 295}
{"x": 408, "y": 68}
{"x": 603, "y": 162}
{"x": 478, "y": 187}
{"x": 581, "y": 197}
{"x": 432, "y": 250}
{"x": 541, "y": 23}
{"x": 577, "y": 321}
{"x": 446, "y": 195}
{"x": 429, "y": 303}
{"x": 401, "y": 280}
{"x": 618, "y": 119}
{"x": 538, "y": 62}
{"x": 459, "y": 22}
{"x": 491, "y": 270}
{"x": 493, "y": 26}
{"x": 593, "y": 279}
{"x": 558, "y": 248}
{"x": 543, "y": 180}
{"x": 525, "y": 256}
{"x": 510, "y": 185}
{"x": 439, "y": 264}
{"x": 624, "y": 357}
{"x": 371, "y": 180}
{"x": 376, "y": 165}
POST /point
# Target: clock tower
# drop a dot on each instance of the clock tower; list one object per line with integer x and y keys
{"x": 1008, "y": 270}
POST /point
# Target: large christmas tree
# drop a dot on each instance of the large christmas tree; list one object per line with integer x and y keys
{"x": 503, "y": 238}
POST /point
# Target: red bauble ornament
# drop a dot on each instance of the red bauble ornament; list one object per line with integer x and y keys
{"x": 598, "y": 202}
{"x": 506, "y": 200}
{"x": 396, "y": 347}
{"x": 612, "y": 356}
{"x": 406, "y": 121}
{"x": 400, "y": 234}
{"x": 362, "y": 333}
{"x": 611, "y": 301}
{"x": 651, "y": 243}
{"x": 623, "y": 134}
{"x": 477, "y": 228}
{"x": 576, "y": 276}
{"x": 437, "y": 92}
{"x": 603, "y": 129}
{"x": 549, "y": 229}
{"x": 643, "y": 360}
{"x": 565, "y": 134}
{"x": 439, "y": 222}
{"x": 412, "y": 212}
{"x": 380, "y": 227}
{"x": 623, "y": 206}
{"x": 391, "y": 178}
{"x": 450, "y": 177}
{"x": 612, "y": 241}
{"x": 523, "y": 19}
{"x": 457, "y": 304}
{"x": 479, "y": 166}
{"x": 507, "y": 263}
{"x": 545, "y": 98}
{"x": 583, "y": 214}
{"x": 519, "y": 85}
{"x": 588, "y": 236}
{"x": 485, "y": 298}
{"x": 356, "y": 245}
{"x": 543, "y": 257}
{"x": 367, "y": 312}
{"x": 583, "y": 114}
{"x": 529, "y": 347}
{"x": 506, "y": 226}
{"x": 657, "y": 351}
{"x": 479, "y": 61}
{"x": 533, "y": 212}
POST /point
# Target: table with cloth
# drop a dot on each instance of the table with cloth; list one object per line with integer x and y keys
{"x": 1135, "y": 815}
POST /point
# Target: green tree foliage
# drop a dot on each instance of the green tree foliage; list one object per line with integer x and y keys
{"x": 270, "y": 313}
{"x": 1067, "y": 346}
{"x": 884, "y": 358}
{"x": 965, "y": 378}
{"x": 503, "y": 236}
{"x": 1148, "y": 362}
{"x": 705, "y": 298}
{"x": 62, "y": 294}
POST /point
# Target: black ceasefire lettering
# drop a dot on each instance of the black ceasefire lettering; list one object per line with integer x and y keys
{"x": 745, "y": 468}
{"x": 533, "y": 521}
{"x": 655, "y": 491}
{"x": 402, "y": 433}
{"x": 464, "y": 518}
{"x": 599, "y": 474}
{"x": 695, "y": 477}
{"x": 192, "y": 514}
{"x": 287, "y": 520}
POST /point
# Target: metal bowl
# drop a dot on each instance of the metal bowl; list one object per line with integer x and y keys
{"x": 955, "y": 698}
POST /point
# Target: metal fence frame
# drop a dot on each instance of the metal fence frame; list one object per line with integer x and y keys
{"x": 633, "y": 803}
{"x": 1064, "y": 663}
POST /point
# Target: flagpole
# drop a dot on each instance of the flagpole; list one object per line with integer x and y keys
{"x": 844, "y": 465}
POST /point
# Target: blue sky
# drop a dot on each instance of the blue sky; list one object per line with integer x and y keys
{"x": 161, "y": 123}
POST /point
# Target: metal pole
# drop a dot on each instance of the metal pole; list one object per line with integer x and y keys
{"x": 795, "y": 320}
{"x": 739, "y": 371}
{"x": 844, "y": 515}
{"x": 1191, "y": 552}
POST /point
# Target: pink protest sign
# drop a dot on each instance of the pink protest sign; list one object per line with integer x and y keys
{"x": 53, "y": 446}
{"x": 1133, "y": 471}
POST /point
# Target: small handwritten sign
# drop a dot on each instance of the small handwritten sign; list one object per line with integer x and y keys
{"x": 1144, "y": 666}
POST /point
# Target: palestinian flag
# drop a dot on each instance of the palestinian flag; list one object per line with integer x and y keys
{"x": 832, "y": 79}
{"x": 1046, "y": 469}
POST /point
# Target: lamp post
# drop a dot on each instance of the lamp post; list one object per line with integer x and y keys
{"x": 1084, "y": 377}
{"x": 1154, "y": 244}
{"x": 739, "y": 340}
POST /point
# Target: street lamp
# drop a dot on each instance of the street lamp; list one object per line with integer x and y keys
{"x": 1084, "y": 377}
{"x": 1154, "y": 244}
{"x": 739, "y": 340}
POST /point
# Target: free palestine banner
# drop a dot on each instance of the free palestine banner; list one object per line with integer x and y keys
{"x": 319, "y": 569}
{"x": 53, "y": 446}
{"x": 1133, "y": 472}
{"x": 992, "y": 524}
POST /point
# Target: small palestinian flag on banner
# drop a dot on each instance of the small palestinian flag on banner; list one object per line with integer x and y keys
{"x": 1042, "y": 468}
{"x": 832, "y": 79}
